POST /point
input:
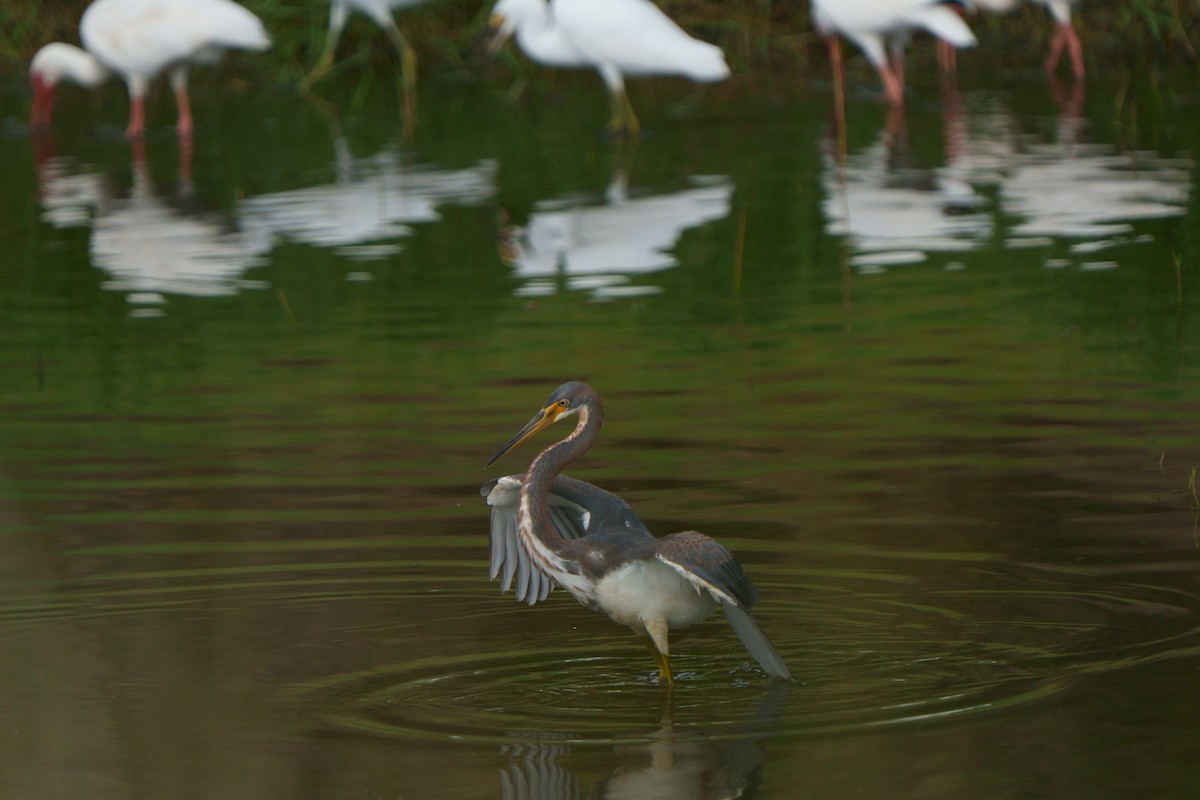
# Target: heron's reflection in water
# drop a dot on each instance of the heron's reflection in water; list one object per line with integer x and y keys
{"x": 600, "y": 244}
{"x": 668, "y": 765}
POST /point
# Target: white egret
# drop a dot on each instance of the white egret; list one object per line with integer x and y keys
{"x": 869, "y": 23}
{"x": 137, "y": 39}
{"x": 616, "y": 37}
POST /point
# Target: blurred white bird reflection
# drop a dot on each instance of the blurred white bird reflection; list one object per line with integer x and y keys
{"x": 151, "y": 245}
{"x": 599, "y": 244}
{"x": 1000, "y": 186}
{"x": 370, "y": 207}
{"x": 897, "y": 213}
{"x": 1091, "y": 191}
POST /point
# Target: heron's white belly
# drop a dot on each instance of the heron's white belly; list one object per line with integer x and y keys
{"x": 641, "y": 591}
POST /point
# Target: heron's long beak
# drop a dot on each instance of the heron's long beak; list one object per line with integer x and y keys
{"x": 541, "y": 420}
{"x": 500, "y": 31}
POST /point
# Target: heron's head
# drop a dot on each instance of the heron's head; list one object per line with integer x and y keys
{"x": 501, "y": 26}
{"x": 570, "y": 398}
{"x": 509, "y": 15}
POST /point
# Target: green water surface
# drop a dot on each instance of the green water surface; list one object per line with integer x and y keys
{"x": 941, "y": 402}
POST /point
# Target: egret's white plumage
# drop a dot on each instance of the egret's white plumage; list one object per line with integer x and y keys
{"x": 870, "y": 23}
{"x": 616, "y": 37}
{"x": 137, "y": 39}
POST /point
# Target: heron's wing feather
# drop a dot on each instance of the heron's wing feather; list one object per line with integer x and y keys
{"x": 707, "y": 565}
{"x": 710, "y": 567}
{"x": 602, "y": 510}
{"x": 507, "y": 559}
{"x": 575, "y": 508}
{"x": 532, "y": 774}
{"x": 756, "y": 642}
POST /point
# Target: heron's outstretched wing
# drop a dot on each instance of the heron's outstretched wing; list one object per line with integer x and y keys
{"x": 757, "y": 644}
{"x": 708, "y": 566}
{"x": 576, "y": 509}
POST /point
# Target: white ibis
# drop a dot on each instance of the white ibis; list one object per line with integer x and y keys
{"x": 137, "y": 39}
{"x": 1064, "y": 37}
{"x": 869, "y": 23}
{"x": 617, "y": 37}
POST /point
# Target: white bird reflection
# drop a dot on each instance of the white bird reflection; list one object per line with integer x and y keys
{"x": 150, "y": 245}
{"x": 1000, "y": 186}
{"x": 598, "y": 245}
{"x": 1092, "y": 191}
{"x": 372, "y": 204}
{"x": 897, "y": 213}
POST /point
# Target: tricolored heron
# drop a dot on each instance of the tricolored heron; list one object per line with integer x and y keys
{"x": 550, "y": 530}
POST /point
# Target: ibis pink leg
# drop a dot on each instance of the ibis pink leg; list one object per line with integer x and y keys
{"x": 947, "y": 56}
{"x": 137, "y": 117}
{"x": 835, "y": 57}
{"x": 893, "y": 87}
{"x": 898, "y": 64}
{"x": 1065, "y": 38}
{"x": 1075, "y": 50}
{"x": 183, "y": 124}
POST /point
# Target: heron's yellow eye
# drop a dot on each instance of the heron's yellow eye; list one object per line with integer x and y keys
{"x": 563, "y": 403}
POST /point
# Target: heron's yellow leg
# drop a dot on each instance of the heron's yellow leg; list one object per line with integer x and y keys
{"x": 623, "y": 118}
{"x": 408, "y": 77}
{"x": 631, "y": 121}
{"x": 617, "y": 123}
{"x": 322, "y": 66}
{"x": 663, "y": 661}
{"x": 408, "y": 58}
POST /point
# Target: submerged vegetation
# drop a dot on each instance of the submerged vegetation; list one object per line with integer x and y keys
{"x": 755, "y": 33}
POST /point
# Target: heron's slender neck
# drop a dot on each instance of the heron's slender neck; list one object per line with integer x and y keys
{"x": 546, "y": 467}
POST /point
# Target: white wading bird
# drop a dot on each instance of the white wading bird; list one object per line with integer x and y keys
{"x": 381, "y": 12}
{"x": 616, "y": 37}
{"x": 1064, "y": 38}
{"x": 137, "y": 39}
{"x": 872, "y": 23}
